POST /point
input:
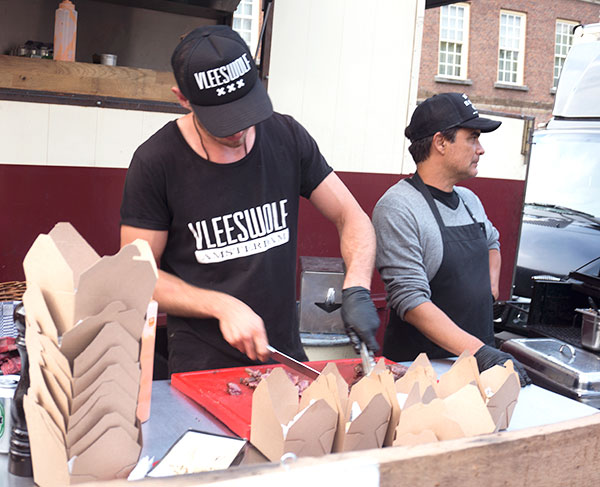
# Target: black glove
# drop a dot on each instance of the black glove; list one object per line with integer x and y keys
{"x": 488, "y": 356}
{"x": 360, "y": 317}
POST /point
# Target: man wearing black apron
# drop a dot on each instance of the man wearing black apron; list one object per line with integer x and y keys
{"x": 437, "y": 252}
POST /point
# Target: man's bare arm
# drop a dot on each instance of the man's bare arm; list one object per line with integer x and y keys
{"x": 357, "y": 237}
{"x": 242, "y": 328}
{"x": 495, "y": 264}
{"x": 432, "y": 322}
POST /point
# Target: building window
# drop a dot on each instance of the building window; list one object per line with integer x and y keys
{"x": 511, "y": 53}
{"x": 245, "y": 22}
{"x": 562, "y": 44}
{"x": 454, "y": 35}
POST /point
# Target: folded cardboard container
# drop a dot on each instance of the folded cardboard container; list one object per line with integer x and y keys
{"x": 420, "y": 371}
{"x": 387, "y": 381}
{"x": 368, "y": 429}
{"x": 77, "y": 283}
{"x": 338, "y": 386}
{"x": 501, "y": 387}
{"x": 461, "y": 403}
{"x": 280, "y": 425}
{"x": 85, "y": 320}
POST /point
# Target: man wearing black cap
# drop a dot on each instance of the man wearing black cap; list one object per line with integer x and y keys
{"x": 216, "y": 194}
{"x": 437, "y": 252}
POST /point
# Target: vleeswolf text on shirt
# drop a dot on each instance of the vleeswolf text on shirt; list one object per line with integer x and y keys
{"x": 241, "y": 233}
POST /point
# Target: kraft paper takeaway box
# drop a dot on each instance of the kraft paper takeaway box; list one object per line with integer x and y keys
{"x": 338, "y": 386}
{"x": 77, "y": 283}
{"x": 280, "y": 424}
{"x": 85, "y": 317}
{"x": 387, "y": 381}
{"x": 499, "y": 386}
{"x": 81, "y": 427}
{"x": 367, "y": 415}
{"x": 376, "y": 400}
{"x": 462, "y": 403}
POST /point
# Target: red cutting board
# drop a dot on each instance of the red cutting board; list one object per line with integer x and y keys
{"x": 209, "y": 389}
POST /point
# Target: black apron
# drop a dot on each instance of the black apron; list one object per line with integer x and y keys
{"x": 461, "y": 288}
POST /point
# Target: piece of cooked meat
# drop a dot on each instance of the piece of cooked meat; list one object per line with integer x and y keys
{"x": 397, "y": 371}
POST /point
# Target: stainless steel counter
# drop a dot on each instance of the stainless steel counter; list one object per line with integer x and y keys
{"x": 172, "y": 413}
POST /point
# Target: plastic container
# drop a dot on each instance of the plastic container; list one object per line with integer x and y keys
{"x": 65, "y": 31}
{"x": 8, "y": 384}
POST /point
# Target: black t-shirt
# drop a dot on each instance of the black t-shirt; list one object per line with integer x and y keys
{"x": 232, "y": 228}
{"x": 450, "y": 199}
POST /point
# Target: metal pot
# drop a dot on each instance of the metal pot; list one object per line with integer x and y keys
{"x": 590, "y": 328}
{"x": 108, "y": 59}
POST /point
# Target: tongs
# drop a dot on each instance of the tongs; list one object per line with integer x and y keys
{"x": 368, "y": 359}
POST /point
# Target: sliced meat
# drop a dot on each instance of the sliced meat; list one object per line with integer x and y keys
{"x": 233, "y": 389}
{"x": 253, "y": 372}
{"x": 397, "y": 370}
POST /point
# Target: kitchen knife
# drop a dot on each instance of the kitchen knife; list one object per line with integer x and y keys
{"x": 284, "y": 359}
{"x": 368, "y": 359}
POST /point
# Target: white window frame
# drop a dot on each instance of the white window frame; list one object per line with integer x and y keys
{"x": 254, "y": 20}
{"x": 507, "y": 44}
{"x": 561, "y": 49}
{"x": 464, "y": 43}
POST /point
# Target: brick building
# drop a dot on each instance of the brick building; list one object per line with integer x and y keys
{"x": 505, "y": 54}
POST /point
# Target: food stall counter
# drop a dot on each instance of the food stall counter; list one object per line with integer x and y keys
{"x": 538, "y": 414}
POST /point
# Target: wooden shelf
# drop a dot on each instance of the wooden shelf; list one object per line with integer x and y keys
{"x": 220, "y": 10}
{"x": 19, "y": 73}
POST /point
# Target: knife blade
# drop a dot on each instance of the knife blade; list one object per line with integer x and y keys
{"x": 368, "y": 359}
{"x": 292, "y": 363}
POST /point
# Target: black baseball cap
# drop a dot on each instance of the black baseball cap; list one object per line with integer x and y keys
{"x": 446, "y": 111}
{"x": 215, "y": 71}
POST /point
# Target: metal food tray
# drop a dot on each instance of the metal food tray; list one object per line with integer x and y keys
{"x": 560, "y": 367}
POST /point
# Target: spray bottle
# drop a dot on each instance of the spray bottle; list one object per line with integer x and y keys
{"x": 65, "y": 31}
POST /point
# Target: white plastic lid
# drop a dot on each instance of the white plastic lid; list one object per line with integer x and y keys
{"x": 9, "y": 381}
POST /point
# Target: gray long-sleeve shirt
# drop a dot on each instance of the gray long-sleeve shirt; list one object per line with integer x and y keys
{"x": 409, "y": 241}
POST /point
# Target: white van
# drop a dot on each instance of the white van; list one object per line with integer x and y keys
{"x": 561, "y": 218}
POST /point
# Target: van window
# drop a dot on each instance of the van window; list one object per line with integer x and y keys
{"x": 565, "y": 171}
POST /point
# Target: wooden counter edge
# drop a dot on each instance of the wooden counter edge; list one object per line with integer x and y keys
{"x": 566, "y": 453}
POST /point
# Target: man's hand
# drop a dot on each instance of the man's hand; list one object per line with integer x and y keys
{"x": 360, "y": 317}
{"x": 488, "y": 356}
{"x": 243, "y": 329}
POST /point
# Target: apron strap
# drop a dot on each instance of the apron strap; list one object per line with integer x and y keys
{"x": 419, "y": 185}
{"x": 481, "y": 224}
{"x": 416, "y": 182}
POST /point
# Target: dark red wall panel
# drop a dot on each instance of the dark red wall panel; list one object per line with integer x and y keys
{"x": 503, "y": 202}
{"x": 502, "y": 198}
{"x": 34, "y": 198}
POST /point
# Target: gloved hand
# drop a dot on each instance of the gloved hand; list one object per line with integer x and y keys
{"x": 360, "y": 317}
{"x": 488, "y": 356}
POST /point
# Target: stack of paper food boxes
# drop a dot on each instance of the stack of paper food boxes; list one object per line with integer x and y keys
{"x": 376, "y": 411}
{"x": 85, "y": 317}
